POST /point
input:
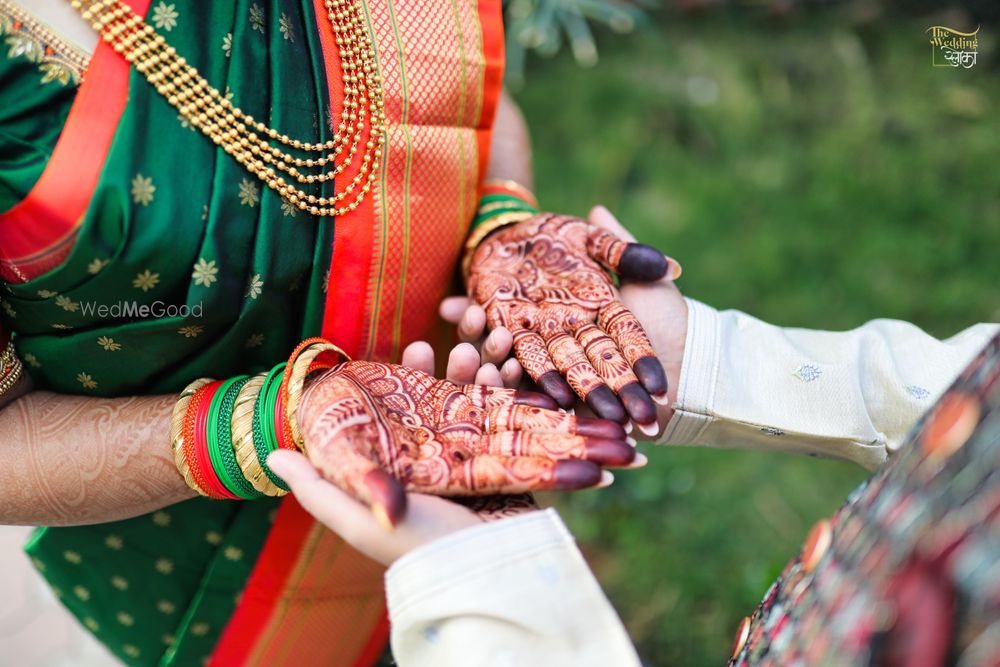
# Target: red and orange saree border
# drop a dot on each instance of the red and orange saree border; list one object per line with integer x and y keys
{"x": 309, "y": 592}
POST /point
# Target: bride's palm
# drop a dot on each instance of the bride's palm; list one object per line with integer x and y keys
{"x": 546, "y": 280}
{"x": 377, "y": 430}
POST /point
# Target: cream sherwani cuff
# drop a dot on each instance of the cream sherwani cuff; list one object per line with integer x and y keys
{"x": 445, "y": 562}
{"x": 512, "y": 592}
{"x": 699, "y": 376}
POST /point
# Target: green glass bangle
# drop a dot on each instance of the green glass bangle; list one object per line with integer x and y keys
{"x": 241, "y": 486}
{"x": 480, "y": 219}
{"x": 270, "y": 403}
{"x": 212, "y": 434}
{"x": 260, "y": 443}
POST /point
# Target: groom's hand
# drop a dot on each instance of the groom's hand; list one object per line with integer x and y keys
{"x": 660, "y": 308}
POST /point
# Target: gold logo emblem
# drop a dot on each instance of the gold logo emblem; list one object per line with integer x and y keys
{"x": 953, "y": 48}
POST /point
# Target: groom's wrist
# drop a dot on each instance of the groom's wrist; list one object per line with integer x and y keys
{"x": 695, "y": 396}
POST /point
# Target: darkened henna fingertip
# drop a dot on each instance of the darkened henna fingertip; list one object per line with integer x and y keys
{"x": 650, "y": 372}
{"x": 642, "y": 262}
{"x": 609, "y": 452}
{"x": 638, "y": 403}
{"x": 603, "y": 402}
{"x": 388, "y": 499}
{"x": 534, "y": 399}
{"x": 570, "y": 475}
{"x": 599, "y": 428}
{"x": 556, "y": 386}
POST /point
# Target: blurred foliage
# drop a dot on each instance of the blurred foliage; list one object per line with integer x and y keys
{"x": 814, "y": 173}
{"x": 544, "y": 26}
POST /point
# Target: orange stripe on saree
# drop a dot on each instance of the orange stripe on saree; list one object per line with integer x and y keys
{"x": 312, "y": 599}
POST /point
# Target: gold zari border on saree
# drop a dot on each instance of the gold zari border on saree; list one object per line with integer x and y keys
{"x": 28, "y": 37}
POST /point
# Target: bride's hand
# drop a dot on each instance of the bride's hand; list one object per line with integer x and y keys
{"x": 657, "y": 305}
{"x": 426, "y": 517}
{"x": 377, "y": 430}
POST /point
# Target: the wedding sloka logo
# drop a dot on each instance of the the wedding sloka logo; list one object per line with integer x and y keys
{"x": 953, "y": 48}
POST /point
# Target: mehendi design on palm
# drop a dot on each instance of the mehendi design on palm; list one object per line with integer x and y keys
{"x": 546, "y": 280}
{"x": 377, "y": 430}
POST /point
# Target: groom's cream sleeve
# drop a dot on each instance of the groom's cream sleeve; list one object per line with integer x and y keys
{"x": 851, "y": 395}
{"x": 511, "y": 593}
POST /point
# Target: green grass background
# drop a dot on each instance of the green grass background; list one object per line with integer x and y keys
{"x": 819, "y": 174}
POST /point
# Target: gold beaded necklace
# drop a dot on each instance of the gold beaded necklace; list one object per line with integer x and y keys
{"x": 240, "y": 134}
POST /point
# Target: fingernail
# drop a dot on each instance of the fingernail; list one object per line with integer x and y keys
{"x": 631, "y": 441}
{"x": 649, "y": 429}
{"x": 609, "y": 452}
{"x": 605, "y": 404}
{"x": 599, "y": 428}
{"x": 569, "y": 475}
{"x": 388, "y": 500}
{"x": 661, "y": 399}
{"x": 674, "y": 269}
{"x": 639, "y": 461}
{"x": 382, "y": 517}
{"x": 650, "y": 372}
{"x": 627, "y": 426}
{"x": 607, "y": 479}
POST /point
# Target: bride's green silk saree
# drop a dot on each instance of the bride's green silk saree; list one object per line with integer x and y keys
{"x": 137, "y": 256}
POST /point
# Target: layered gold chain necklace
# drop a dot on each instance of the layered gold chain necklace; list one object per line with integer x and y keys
{"x": 249, "y": 141}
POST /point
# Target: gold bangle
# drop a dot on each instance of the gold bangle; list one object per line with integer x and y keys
{"x": 246, "y": 451}
{"x": 486, "y": 228}
{"x": 176, "y": 429}
{"x": 297, "y": 381}
{"x": 514, "y": 186}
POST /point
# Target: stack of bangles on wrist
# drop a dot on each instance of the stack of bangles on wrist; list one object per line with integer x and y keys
{"x": 501, "y": 203}
{"x": 10, "y": 366}
{"x": 223, "y": 430}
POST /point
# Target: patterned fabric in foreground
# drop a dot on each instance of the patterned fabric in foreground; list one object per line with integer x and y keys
{"x": 910, "y": 566}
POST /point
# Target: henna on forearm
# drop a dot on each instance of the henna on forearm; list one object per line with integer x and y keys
{"x": 70, "y": 460}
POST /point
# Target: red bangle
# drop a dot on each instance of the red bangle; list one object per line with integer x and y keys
{"x": 201, "y": 445}
{"x": 282, "y": 429}
{"x": 188, "y": 435}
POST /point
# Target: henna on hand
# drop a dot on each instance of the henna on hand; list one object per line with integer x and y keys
{"x": 493, "y": 508}
{"x": 377, "y": 430}
{"x": 546, "y": 280}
